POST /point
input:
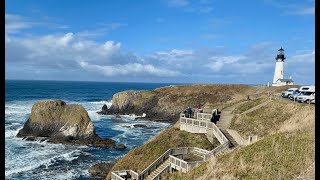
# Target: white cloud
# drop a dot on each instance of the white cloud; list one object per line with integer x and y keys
{"x": 61, "y": 47}
{"x": 218, "y": 62}
{"x": 68, "y": 51}
{"x": 103, "y": 29}
{"x": 305, "y": 11}
{"x": 131, "y": 69}
{"x": 15, "y": 23}
{"x": 173, "y": 55}
{"x": 308, "y": 57}
{"x": 64, "y": 40}
{"x": 298, "y": 9}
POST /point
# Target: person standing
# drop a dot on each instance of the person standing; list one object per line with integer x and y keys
{"x": 189, "y": 112}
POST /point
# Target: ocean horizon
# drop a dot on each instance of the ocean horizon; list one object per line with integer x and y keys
{"x": 166, "y": 83}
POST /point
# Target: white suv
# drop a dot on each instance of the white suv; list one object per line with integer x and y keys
{"x": 306, "y": 96}
{"x": 288, "y": 92}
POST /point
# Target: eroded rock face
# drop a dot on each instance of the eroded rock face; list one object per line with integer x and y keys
{"x": 62, "y": 123}
{"x": 100, "y": 170}
{"x": 166, "y": 103}
{"x": 127, "y": 102}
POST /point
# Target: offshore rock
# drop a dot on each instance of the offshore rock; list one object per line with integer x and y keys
{"x": 104, "y": 109}
{"x": 61, "y": 123}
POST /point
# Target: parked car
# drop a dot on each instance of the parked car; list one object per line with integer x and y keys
{"x": 306, "y": 97}
{"x": 313, "y": 101}
{"x": 294, "y": 95}
{"x": 285, "y": 94}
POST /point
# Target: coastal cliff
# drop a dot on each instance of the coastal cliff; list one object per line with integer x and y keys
{"x": 58, "y": 122}
{"x": 166, "y": 103}
{"x": 286, "y": 141}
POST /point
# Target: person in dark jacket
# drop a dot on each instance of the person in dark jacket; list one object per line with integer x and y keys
{"x": 189, "y": 110}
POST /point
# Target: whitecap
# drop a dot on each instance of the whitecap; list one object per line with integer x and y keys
{"x": 108, "y": 103}
{"x": 41, "y": 160}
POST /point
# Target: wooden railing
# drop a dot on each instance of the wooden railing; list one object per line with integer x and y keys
{"x": 172, "y": 151}
{"x": 162, "y": 173}
{"x": 204, "y": 116}
{"x": 178, "y": 164}
{"x": 116, "y": 174}
{"x": 217, "y": 150}
{"x": 204, "y": 123}
{"x": 155, "y": 164}
{"x": 182, "y": 165}
{"x": 217, "y": 132}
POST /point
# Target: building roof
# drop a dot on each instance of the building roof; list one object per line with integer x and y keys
{"x": 285, "y": 80}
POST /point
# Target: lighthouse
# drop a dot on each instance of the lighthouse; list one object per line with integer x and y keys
{"x": 279, "y": 71}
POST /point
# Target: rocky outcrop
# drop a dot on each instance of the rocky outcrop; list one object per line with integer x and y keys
{"x": 101, "y": 170}
{"x": 58, "y": 122}
{"x": 129, "y": 102}
{"x": 167, "y": 103}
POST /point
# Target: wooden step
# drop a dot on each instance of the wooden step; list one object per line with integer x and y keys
{"x": 155, "y": 172}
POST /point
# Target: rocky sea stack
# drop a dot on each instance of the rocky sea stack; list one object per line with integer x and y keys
{"x": 58, "y": 122}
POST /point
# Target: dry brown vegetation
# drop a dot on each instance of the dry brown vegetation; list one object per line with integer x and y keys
{"x": 141, "y": 157}
{"x": 287, "y": 150}
{"x": 249, "y": 104}
{"x": 279, "y": 156}
{"x": 270, "y": 118}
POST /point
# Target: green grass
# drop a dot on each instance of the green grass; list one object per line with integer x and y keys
{"x": 279, "y": 156}
{"x": 261, "y": 121}
{"x": 193, "y": 174}
{"x": 141, "y": 157}
{"x": 248, "y": 105}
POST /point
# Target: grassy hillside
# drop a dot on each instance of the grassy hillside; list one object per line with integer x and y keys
{"x": 270, "y": 118}
{"x": 249, "y": 104}
{"x": 141, "y": 157}
{"x": 279, "y": 156}
{"x": 286, "y": 151}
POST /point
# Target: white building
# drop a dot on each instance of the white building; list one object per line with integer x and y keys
{"x": 279, "y": 71}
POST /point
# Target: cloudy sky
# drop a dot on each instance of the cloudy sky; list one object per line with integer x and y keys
{"x": 181, "y": 41}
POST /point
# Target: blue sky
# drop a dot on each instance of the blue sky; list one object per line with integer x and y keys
{"x": 182, "y": 41}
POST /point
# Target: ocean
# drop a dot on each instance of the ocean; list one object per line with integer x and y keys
{"x": 42, "y": 160}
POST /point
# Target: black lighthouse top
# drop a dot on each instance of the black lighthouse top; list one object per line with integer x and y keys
{"x": 280, "y": 56}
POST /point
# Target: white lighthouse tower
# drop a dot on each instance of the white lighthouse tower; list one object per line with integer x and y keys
{"x": 279, "y": 71}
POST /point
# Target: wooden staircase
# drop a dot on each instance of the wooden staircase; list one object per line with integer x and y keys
{"x": 233, "y": 142}
{"x": 224, "y": 123}
{"x": 155, "y": 172}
